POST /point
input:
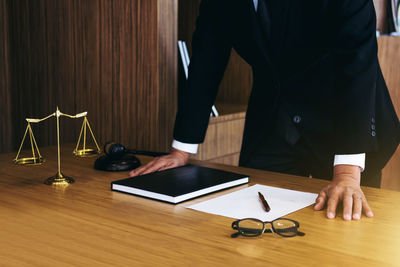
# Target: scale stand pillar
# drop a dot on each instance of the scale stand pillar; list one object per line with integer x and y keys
{"x": 59, "y": 178}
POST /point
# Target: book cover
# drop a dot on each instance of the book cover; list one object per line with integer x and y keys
{"x": 179, "y": 184}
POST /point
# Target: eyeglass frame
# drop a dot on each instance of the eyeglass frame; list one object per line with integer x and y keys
{"x": 235, "y": 225}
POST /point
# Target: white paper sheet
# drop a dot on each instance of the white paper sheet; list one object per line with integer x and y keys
{"x": 245, "y": 203}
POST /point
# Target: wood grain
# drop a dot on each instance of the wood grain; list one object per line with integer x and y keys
{"x": 5, "y": 87}
{"x": 115, "y": 59}
{"x": 105, "y": 106}
{"x": 86, "y": 224}
{"x": 222, "y": 138}
{"x": 168, "y": 70}
{"x": 87, "y": 67}
{"x": 389, "y": 57}
{"x": 224, "y": 135}
{"x": 232, "y": 159}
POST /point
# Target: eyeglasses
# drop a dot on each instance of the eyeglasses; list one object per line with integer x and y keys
{"x": 253, "y": 227}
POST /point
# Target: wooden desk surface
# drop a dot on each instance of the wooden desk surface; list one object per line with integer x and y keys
{"x": 88, "y": 224}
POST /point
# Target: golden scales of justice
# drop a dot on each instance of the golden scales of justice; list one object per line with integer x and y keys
{"x": 37, "y": 159}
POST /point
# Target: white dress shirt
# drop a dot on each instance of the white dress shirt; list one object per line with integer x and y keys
{"x": 350, "y": 159}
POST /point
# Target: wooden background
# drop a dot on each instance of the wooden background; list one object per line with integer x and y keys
{"x": 115, "y": 59}
{"x": 389, "y": 57}
{"x": 5, "y": 98}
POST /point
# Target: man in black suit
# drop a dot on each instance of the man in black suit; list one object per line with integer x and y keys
{"x": 319, "y": 104}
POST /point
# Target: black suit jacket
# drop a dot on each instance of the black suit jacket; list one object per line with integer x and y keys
{"x": 318, "y": 61}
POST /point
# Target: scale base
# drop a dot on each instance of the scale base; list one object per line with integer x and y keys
{"x": 29, "y": 161}
{"x": 59, "y": 179}
{"x": 87, "y": 152}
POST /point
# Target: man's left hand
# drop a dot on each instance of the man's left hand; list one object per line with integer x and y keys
{"x": 345, "y": 188}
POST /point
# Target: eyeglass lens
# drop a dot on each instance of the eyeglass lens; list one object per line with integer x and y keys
{"x": 285, "y": 227}
{"x": 250, "y": 227}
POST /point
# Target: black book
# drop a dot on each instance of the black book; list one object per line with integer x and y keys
{"x": 179, "y": 184}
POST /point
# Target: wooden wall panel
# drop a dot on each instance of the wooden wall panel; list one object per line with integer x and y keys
{"x": 115, "y": 59}
{"x": 389, "y": 57}
{"x": 124, "y": 63}
{"x": 168, "y": 62}
{"x": 232, "y": 159}
{"x": 28, "y": 69}
{"x": 135, "y": 72}
{"x": 233, "y": 89}
{"x": 87, "y": 67}
{"x": 146, "y": 88}
{"x": 61, "y": 68}
{"x": 5, "y": 94}
{"x": 105, "y": 107}
{"x": 224, "y": 137}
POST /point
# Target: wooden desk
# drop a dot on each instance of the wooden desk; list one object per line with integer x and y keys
{"x": 88, "y": 224}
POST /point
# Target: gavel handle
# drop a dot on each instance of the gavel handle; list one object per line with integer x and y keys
{"x": 146, "y": 153}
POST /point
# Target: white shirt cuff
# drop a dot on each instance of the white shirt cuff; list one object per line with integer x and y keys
{"x": 189, "y": 148}
{"x": 350, "y": 159}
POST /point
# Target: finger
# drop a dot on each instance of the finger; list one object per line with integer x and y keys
{"x": 367, "y": 209}
{"x": 357, "y": 207}
{"x": 320, "y": 201}
{"x": 136, "y": 171}
{"x": 332, "y": 204}
{"x": 347, "y": 206}
{"x": 155, "y": 167}
{"x": 140, "y": 170}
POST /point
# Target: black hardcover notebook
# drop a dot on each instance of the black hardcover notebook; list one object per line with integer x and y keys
{"x": 179, "y": 184}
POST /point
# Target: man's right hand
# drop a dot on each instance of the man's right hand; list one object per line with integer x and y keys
{"x": 175, "y": 159}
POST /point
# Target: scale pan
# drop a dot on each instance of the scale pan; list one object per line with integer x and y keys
{"x": 87, "y": 152}
{"x": 30, "y": 161}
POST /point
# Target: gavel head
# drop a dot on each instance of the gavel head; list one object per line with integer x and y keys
{"x": 116, "y": 158}
{"x": 114, "y": 150}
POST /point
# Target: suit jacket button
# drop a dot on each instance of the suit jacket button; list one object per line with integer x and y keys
{"x": 297, "y": 119}
{"x": 373, "y": 120}
{"x": 373, "y": 127}
{"x": 373, "y": 133}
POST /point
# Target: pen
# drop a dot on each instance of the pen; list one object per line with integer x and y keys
{"x": 264, "y": 202}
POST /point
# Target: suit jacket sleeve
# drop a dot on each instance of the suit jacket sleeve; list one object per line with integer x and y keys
{"x": 355, "y": 72}
{"x": 211, "y": 49}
